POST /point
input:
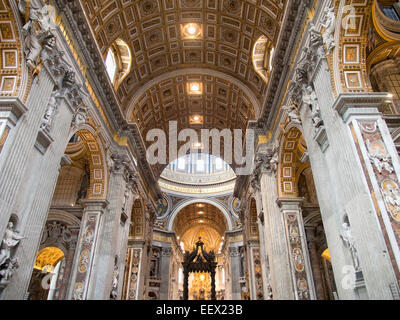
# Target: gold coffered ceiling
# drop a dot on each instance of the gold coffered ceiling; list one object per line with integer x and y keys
{"x": 166, "y": 57}
{"x": 221, "y": 104}
{"x": 153, "y": 29}
{"x": 206, "y": 216}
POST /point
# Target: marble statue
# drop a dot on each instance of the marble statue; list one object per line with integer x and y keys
{"x": 329, "y": 25}
{"x": 114, "y": 290}
{"x": 51, "y": 111}
{"x": 347, "y": 237}
{"x": 7, "y": 272}
{"x": 38, "y": 31}
{"x": 126, "y": 197}
{"x": 392, "y": 196}
{"x": 293, "y": 114}
{"x": 310, "y": 99}
{"x": 10, "y": 240}
{"x": 379, "y": 159}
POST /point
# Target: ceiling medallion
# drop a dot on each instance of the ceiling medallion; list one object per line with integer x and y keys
{"x": 195, "y": 88}
{"x": 191, "y": 31}
{"x": 196, "y": 119}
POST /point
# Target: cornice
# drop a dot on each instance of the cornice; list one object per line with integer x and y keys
{"x": 295, "y": 15}
{"x": 96, "y": 73}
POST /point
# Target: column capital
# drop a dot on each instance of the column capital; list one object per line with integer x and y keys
{"x": 290, "y": 203}
{"x": 12, "y": 108}
{"x": 94, "y": 204}
{"x": 350, "y": 105}
{"x": 266, "y": 162}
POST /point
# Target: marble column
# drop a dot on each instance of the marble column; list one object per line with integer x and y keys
{"x": 257, "y": 279}
{"x": 34, "y": 196}
{"x": 315, "y": 263}
{"x": 275, "y": 240}
{"x": 83, "y": 275}
{"x": 301, "y": 274}
{"x": 360, "y": 229}
{"x": 165, "y": 265}
{"x": 23, "y": 122}
{"x": 134, "y": 272}
{"x": 263, "y": 245}
{"x": 234, "y": 254}
{"x": 63, "y": 282}
{"x": 109, "y": 258}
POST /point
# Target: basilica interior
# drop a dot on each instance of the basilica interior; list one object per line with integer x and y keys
{"x": 199, "y": 150}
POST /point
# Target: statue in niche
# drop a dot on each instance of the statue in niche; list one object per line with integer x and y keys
{"x": 82, "y": 193}
{"x": 347, "y": 237}
{"x": 11, "y": 239}
{"x": 38, "y": 31}
{"x": 329, "y": 25}
{"x": 293, "y": 114}
{"x": 310, "y": 99}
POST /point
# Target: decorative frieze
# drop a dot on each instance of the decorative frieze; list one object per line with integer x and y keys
{"x": 381, "y": 162}
{"x": 85, "y": 256}
{"x": 258, "y": 277}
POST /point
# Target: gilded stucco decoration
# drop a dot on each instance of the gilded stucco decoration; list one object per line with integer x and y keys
{"x": 10, "y": 52}
{"x": 353, "y": 21}
{"x": 291, "y": 152}
{"x": 98, "y": 172}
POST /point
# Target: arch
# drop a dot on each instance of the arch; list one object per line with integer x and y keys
{"x": 193, "y": 71}
{"x": 97, "y": 161}
{"x": 63, "y": 217}
{"x": 48, "y": 256}
{"x": 350, "y": 55}
{"x": 137, "y": 229}
{"x": 122, "y": 56}
{"x": 387, "y": 28}
{"x": 13, "y": 73}
{"x": 288, "y": 164}
{"x": 212, "y": 202}
{"x": 263, "y": 53}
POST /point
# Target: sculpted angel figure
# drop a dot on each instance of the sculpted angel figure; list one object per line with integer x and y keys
{"x": 293, "y": 114}
{"x": 329, "y": 25}
{"x": 38, "y": 31}
{"x": 310, "y": 99}
{"x": 392, "y": 196}
{"x": 10, "y": 240}
{"x": 379, "y": 159}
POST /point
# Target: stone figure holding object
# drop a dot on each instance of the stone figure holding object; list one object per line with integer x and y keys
{"x": 347, "y": 237}
{"x": 10, "y": 240}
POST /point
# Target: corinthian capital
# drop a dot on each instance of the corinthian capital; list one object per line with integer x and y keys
{"x": 119, "y": 163}
{"x": 266, "y": 161}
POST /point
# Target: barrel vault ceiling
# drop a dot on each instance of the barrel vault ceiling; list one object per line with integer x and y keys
{"x": 165, "y": 60}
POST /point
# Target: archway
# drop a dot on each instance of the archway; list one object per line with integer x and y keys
{"x": 202, "y": 220}
{"x": 49, "y": 262}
